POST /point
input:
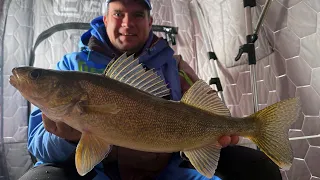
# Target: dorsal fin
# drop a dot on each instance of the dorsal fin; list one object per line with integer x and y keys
{"x": 128, "y": 70}
{"x": 202, "y": 96}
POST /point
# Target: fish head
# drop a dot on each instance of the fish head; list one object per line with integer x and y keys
{"x": 45, "y": 88}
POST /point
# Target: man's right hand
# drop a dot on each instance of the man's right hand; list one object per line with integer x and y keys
{"x": 61, "y": 129}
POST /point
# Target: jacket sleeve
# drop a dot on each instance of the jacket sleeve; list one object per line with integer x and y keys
{"x": 187, "y": 74}
{"x": 44, "y": 145}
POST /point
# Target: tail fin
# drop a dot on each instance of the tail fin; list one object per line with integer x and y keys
{"x": 273, "y": 126}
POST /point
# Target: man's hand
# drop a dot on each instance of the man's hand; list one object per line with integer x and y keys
{"x": 228, "y": 140}
{"x": 61, "y": 129}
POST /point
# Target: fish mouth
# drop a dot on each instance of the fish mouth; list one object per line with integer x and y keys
{"x": 13, "y": 78}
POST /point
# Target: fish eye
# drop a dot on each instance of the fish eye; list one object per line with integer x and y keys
{"x": 35, "y": 74}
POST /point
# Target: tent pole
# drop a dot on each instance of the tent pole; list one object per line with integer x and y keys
{"x": 262, "y": 16}
{"x": 251, "y": 56}
{"x": 249, "y": 48}
{"x": 211, "y": 54}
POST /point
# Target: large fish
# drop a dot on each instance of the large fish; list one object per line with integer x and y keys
{"x": 124, "y": 107}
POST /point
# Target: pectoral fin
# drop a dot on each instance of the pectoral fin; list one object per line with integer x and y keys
{"x": 205, "y": 160}
{"x": 83, "y": 107}
{"x": 106, "y": 108}
{"x": 90, "y": 151}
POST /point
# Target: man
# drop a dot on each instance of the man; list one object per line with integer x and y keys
{"x": 125, "y": 27}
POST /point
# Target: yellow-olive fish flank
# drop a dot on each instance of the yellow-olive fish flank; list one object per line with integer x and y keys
{"x": 124, "y": 107}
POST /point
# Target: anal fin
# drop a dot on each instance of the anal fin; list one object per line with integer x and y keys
{"x": 205, "y": 160}
{"x": 91, "y": 150}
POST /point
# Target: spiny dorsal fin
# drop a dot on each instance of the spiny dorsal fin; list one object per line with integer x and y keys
{"x": 201, "y": 95}
{"x": 128, "y": 70}
{"x": 111, "y": 63}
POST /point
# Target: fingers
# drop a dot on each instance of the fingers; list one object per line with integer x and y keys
{"x": 67, "y": 132}
{"x": 60, "y": 129}
{"x": 225, "y": 141}
{"x": 234, "y": 140}
{"x": 49, "y": 125}
{"x": 228, "y": 140}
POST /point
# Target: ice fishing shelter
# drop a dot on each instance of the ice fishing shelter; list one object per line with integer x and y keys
{"x": 287, "y": 53}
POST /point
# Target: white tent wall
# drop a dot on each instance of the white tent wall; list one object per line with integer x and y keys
{"x": 4, "y": 5}
{"x": 287, "y": 66}
{"x": 18, "y": 40}
{"x": 52, "y": 12}
{"x": 177, "y": 13}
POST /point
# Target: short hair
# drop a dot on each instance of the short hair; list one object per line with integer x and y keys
{"x": 105, "y": 8}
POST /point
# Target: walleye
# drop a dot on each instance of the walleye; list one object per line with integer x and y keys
{"x": 124, "y": 107}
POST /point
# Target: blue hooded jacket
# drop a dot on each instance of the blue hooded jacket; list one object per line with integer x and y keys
{"x": 156, "y": 53}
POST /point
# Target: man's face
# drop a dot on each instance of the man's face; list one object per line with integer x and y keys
{"x": 127, "y": 25}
